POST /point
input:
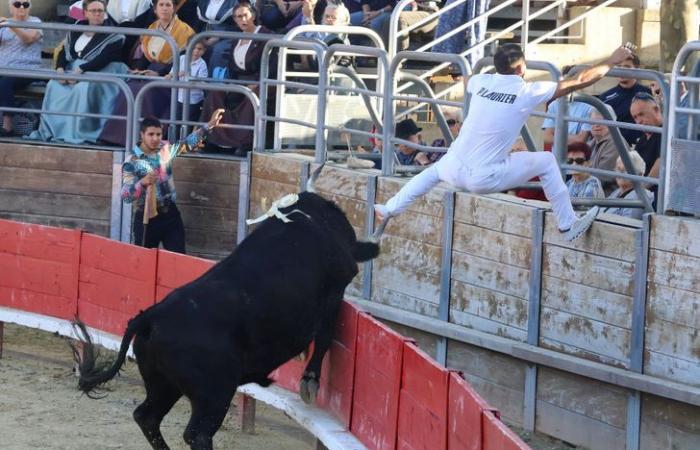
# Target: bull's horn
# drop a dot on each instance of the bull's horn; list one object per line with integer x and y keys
{"x": 379, "y": 231}
{"x": 312, "y": 180}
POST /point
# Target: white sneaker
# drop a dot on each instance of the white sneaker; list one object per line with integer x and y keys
{"x": 581, "y": 225}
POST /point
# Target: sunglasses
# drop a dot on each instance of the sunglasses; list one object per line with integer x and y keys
{"x": 25, "y": 5}
{"x": 451, "y": 122}
{"x": 578, "y": 161}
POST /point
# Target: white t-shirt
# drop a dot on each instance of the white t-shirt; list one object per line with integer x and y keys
{"x": 198, "y": 69}
{"x": 499, "y": 106}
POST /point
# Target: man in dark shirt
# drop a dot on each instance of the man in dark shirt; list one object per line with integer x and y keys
{"x": 620, "y": 98}
{"x": 645, "y": 111}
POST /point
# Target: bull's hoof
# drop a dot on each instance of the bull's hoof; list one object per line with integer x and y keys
{"x": 308, "y": 390}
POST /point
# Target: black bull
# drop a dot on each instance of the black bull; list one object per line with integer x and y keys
{"x": 252, "y": 312}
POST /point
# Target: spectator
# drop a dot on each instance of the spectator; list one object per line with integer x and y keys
{"x": 156, "y": 60}
{"x": 645, "y": 111}
{"x": 409, "y": 131}
{"x": 130, "y": 14}
{"x": 197, "y": 69}
{"x": 620, "y": 98}
{"x": 626, "y": 190}
{"x": 244, "y": 64}
{"x": 333, "y": 14}
{"x": 458, "y": 42}
{"x": 604, "y": 153}
{"x": 453, "y": 117}
{"x": 149, "y": 165}
{"x": 413, "y": 13}
{"x": 576, "y": 131}
{"x": 282, "y": 13}
{"x": 373, "y": 15}
{"x": 582, "y": 185}
{"x": 20, "y": 48}
{"x": 218, "y": 16}
{"x": 83, "y": 52}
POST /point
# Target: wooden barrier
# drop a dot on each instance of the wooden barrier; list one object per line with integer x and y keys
{"x": 174, "y": 270}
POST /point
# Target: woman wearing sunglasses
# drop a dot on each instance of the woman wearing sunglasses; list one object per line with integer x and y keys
{"x": 582, "y": 185}
{"x": 20, "y": 48}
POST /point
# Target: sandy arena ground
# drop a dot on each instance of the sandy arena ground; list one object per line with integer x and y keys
{"x": 40, "y": 407}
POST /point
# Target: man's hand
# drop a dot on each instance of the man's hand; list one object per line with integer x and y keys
{"x": 149, "y": 179}
{"x": 620, "y": 54}
{"x": 422, "y": 159}
{"x": 216, "y": 118}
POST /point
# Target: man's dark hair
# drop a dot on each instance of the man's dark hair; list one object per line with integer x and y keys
{"x": 506, "y": 57}
{"x": 635, "y": 60}
{"x": 150, "y": 122}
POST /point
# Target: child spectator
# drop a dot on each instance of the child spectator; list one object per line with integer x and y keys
{"x": 582, "y": 185}
{"x": 198, "y": 69}
{"x": 626, "y": 190}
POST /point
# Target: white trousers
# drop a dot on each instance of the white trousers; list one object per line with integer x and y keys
{"x": 514, "y": 171}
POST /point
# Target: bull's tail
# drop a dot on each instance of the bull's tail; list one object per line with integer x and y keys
{"x": 85, "y": 354}
{"x": 365, "y": 250}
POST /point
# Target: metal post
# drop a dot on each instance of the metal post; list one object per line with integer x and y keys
{"x": 634, "y": 419}
{"x": 115, "y": 214}
{"x": 445, "y": 270}
{"x": 369, "y": 228}
{"x": 525, "y": 31}
{"x": 304, "y": 175}
{"x": 244, "y": 197}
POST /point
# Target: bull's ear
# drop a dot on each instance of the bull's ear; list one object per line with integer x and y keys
{"x": 364, "y": 251}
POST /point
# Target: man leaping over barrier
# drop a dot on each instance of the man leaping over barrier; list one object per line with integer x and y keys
{"x": 479, "y": 160}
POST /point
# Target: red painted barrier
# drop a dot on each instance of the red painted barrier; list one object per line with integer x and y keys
{"x": 116, "y": 282}
{"x": 423, "y": 402}
{"x": 377, "y": 384}
{"x": 497, "y": 436}
{"x": 174, "y": 270}
{"x": 465, "y": 408}
{"x": 39, "y": 269}
{"x": 289, "y": 374}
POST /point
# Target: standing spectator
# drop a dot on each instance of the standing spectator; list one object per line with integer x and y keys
{"x": 83, "y": 52}
{"x": 453, "y": 117}
{"x": 468, "y": 38}
{"x": 625, "y": 189}
{"x": 130, "y": 14}
{"x": 604, "y": 152}
{"x": 147, "y": 180}
{"x": 20, "y": 48}
{"x": 218, "y": 16}
{"x": 582, "y": 185}
{"x": 197, "y": 69}
{"x": 620, "y": 97}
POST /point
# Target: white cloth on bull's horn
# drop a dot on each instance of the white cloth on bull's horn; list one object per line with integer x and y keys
{"x": 274, "y": 211}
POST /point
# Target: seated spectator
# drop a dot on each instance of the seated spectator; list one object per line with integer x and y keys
{"x": 283, "y": 14}
{"x": 333, "y": 14}
{"x": 645, "y": 111}
{"x": 413, "y": 13}
{"x": 20, "y": 48}
{"x": 83, "y": 52}
{"x": 459, "y": 42}
{"x": 407, "y": 156}
{"x": 244, "y": 65}
{"x": 582, "y": 185}
{"x": 576, "y": 131}
{"x": 454, "y": 117}
{"x": 625, "y": 189}
{"x": 218, "y": 16}
{"x": 197, "y": 69}
{"x": 156, "y": 60}
{"x": 620, "y": 98}
{"x": 373, "y": 15}
{"x": 130, "y": 14}
{"x": 604, "y": 152}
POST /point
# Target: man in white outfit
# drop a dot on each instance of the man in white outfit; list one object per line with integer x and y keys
{"x": 479, "y": 160}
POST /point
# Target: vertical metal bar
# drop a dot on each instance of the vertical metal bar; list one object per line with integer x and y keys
{"x": 533, "y": 320}
{"x": 321, "y": 112}
{"x": 2, "y": 333}
{"x": 244, "y": 197}
{"x": 304, "y": 175}
{"x": 446, "y": 270}
{"x": 115, "y": 214}
{"x": 369, "y": 228}
{"x": 634, "y": 419}
{"x": 525, "y": 31}
{"x": 388, "y": 125}
{"x": 639, "y": 295}
{"x": 561, "y": 130}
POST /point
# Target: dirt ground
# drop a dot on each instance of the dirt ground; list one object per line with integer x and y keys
{"x": 41, "y": 408}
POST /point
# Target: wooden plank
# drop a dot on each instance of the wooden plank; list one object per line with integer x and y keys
{"x": 577, "y": 429}
{"x": 206, "y": 194}
{"x": 276, "y": 168}
{"x": 55, "y": 181}
{"x": 99, "y": 227}
{"x": 674, "y": 270}
{"x": 508, "y": 401}
{"x": 676, "y": 234}
{"x": 410, "y": 255}
{"x": 491, "y": 212}
{"x": 675, "y": 414}
{"x": 497, "y": 368}
{"x": 218, "y": 219}
{"x": 426, "y": 342}
{"x": 581, "y": 333}
{"x": 673, "y": 305}
{"x": 51, "y": 204}
{"x": 493, "y": 245}
{"x": 488, "y": 274}
{"x": 263, "y": 193}
{"x": 603, "y": 239}
{"x": 430, "y": 204}
{"x": 487, "y": 326}
{"x": 586, "y": 301}
{"x": 415, "y": 283}
{"x": 416, "y": 227}
{"x": 673, "y": 340}
{"x": 474, "y": 300}
{"x": 211, "y": 171}
{"x": 588, "y": 269}
{"x": 347, "y": 182}
{"x": 580, "y": 353}
{"x": 403, "y": 301}
{"x": 355, "y": 210}
{"x": 671, "y": 368}
{"x": 210, "y": 242}
{"x": 600, "y": 401}
{"x": 56, "y": 158}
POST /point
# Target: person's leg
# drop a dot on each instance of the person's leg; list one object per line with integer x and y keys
{"x": 173, "y": 231}
{"x": 415, "y": 188}
{"x": 8, "y": 85}
{"x": 524, "y": 165}
{"x": 356, "y": 18}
